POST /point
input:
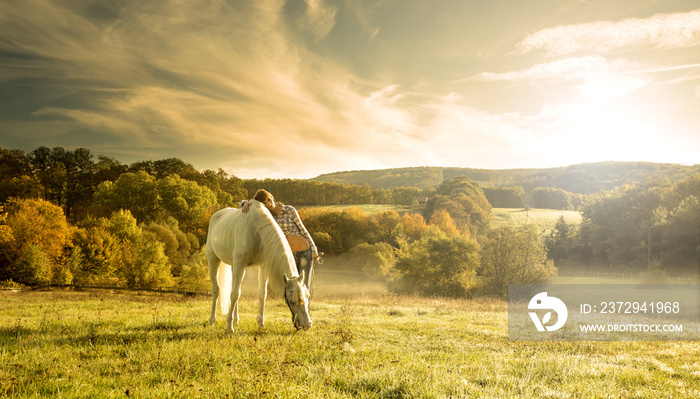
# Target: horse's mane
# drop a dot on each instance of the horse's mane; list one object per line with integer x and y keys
{"x": 276, "y": 256}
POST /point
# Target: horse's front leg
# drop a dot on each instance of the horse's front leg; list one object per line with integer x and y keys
{"x": 237, "y": 274}
{"x": 262, "y": 296}
{"x": 214, "y": 263}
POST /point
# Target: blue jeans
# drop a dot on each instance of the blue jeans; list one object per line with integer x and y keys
{"x": 305, "y": 263}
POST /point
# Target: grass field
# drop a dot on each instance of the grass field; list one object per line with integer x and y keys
{"x": 544, "y": 219}
{"x": 99, "y": 344}
{"x": 372, "y": 208}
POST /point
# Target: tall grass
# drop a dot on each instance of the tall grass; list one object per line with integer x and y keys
{"x": 68, "y": 344}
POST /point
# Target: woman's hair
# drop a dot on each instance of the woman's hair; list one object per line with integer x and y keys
{"x": 262, "y": 196}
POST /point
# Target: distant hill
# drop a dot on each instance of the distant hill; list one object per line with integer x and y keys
{"x": 582, "y": 178}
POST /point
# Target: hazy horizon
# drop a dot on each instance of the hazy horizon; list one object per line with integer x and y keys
{"x": 276, "y": 89}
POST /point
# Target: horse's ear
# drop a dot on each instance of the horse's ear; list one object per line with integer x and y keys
{"x": 286, "y": 279}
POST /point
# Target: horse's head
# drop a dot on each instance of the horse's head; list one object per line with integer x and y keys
{"x": 296, "y": 295}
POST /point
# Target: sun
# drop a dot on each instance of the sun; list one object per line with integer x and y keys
{"x": 611, "y": 118}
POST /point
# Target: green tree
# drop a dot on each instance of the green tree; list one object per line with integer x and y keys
{"x": 681, "y": 240}
{"x": 437, "y": 265}
{"x": 124, "y": 226}
{"x": 19, "y": 187}
{"x": 551, "y": 198}
{"x": 13, "y": 163}
{"x": 505, "y": 197}
{"x": 99, "y": 251}
{"x": 186, "y": 201}
{"x": 136, "y": 192}
{"x": 626, "y": 226}
{"x": 178, "y": 246}
{"x": 107, "y": 169}
{"x": 560, "y": 240}
{"x": 513, "y": 257}
{"x": 149, "y": 267}
{"x": 406, "y": 195}
{"x": 195, "y": 274}
{"x": 141, "y": 256}
{"x": 33, "y": 266}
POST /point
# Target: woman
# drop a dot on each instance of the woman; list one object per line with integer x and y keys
{"x": 303, "y": 246}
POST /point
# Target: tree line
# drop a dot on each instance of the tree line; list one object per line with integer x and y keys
{"x": 652, "y": 224}
{"x": 68, "y": 219}
{"x": 578, "y": 179}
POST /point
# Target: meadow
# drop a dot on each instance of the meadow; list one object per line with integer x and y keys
{"x": 372, "y": 208}
{"x": 364, "y": 343}
{"x": 544, "y": 219}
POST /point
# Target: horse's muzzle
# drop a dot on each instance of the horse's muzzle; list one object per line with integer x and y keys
{"x": 298, "y": 326}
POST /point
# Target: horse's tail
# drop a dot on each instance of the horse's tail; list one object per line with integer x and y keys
{"x": 224, "y": 279}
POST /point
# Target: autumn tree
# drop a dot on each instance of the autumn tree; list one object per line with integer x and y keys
{"x": 464, "y": 201}
{"x": 41, "y": 224}
{"x": 442, "y": 220}
{"x": 382, "y": 227}
{"x": 142, "y": 261}
{"x": 412, "y": 226}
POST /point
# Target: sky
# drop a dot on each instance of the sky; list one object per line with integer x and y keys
{"x": 295, "y": 89}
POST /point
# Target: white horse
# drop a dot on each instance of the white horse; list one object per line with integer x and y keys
{"x": 237, "y": 240}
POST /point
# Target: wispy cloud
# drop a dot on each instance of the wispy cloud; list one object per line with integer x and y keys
{"x": 321, "y": 18}
{"x": 568, "y": 68}
{"x": 662, "y": 31}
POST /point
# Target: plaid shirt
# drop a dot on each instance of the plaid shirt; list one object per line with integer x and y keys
{"x": 291, "y": 225}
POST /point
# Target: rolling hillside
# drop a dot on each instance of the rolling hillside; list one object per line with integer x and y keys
{"x": 581, "y": 179}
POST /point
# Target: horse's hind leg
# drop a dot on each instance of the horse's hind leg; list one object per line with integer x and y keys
{"x": 214, "y": 263}
{"x": 238, "y": 272}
